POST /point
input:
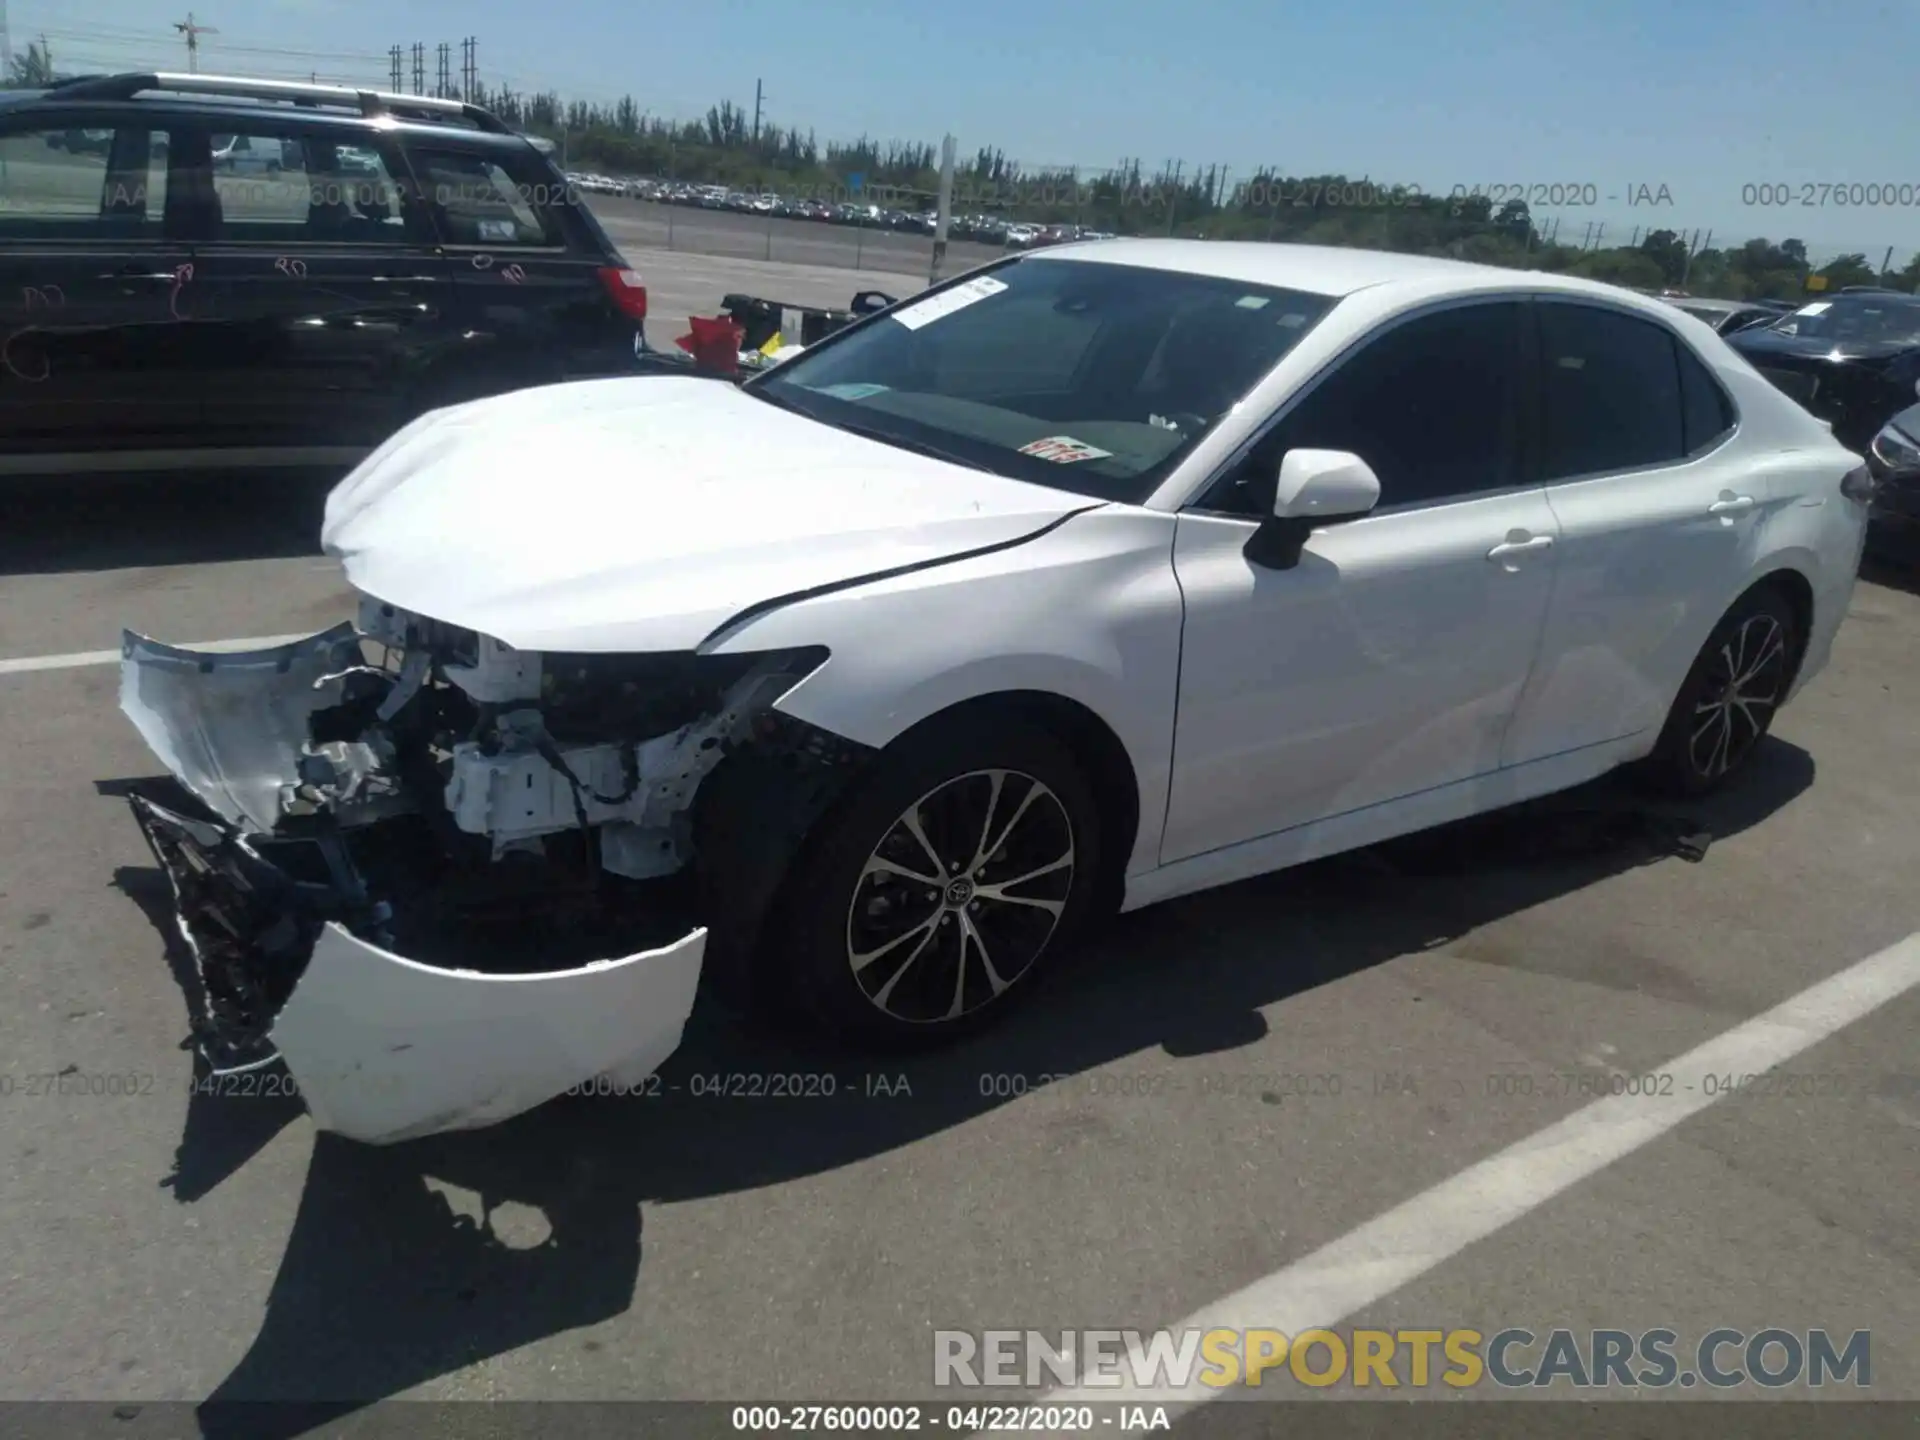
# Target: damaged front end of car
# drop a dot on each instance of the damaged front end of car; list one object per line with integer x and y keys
{"x": 444, "y": 881}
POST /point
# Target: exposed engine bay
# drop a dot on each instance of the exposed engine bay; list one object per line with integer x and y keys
{"x": 439, "y": 879}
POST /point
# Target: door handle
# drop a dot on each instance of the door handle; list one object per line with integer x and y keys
{"x": 1511, "y": 548}
{"x": 1731, "y": 505}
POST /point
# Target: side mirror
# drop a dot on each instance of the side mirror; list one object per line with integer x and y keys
{"x": 1314, "y": 486}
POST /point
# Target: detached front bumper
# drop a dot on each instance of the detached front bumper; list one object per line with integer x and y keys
{"x": 293, "y": 945}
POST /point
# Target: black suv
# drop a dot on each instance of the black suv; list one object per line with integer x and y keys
{"x": 205, "y": 271}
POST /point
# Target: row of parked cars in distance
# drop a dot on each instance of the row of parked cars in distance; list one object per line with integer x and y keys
{"x": 985, "y": 229}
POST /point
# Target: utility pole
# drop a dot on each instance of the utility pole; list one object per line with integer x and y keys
{"x": 469, "y": 80}
{"x": 943, "y": 209}
{"x": 396, "y": 65}
{"x": 419, "y": 68}
{"x": 444, "y": 80}
{"x": 193, "y": 32}
{"x": 6, "y": 43}
{"x": 757, "y": 96}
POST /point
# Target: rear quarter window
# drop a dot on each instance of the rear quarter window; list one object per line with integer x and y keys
{"x": 1706, "y": 414}
{"x": 493, "y": 201}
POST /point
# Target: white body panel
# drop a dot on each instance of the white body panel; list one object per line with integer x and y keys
{"x": 1090, "y": 611}
{"x": 384, "y": 1049}
{"x": 1387, "y": 662}
{"x": 1650, "y": 561}
{"x": 642, "y": 514}
{"x": 1648, "y": 564}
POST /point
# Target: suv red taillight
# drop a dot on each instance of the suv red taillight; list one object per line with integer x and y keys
{"x": 628, "y": 291}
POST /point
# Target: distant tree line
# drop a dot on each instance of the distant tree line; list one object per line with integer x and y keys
{"x": 724, "y": 148}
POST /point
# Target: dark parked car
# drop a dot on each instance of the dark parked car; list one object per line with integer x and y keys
{"x": 1894, "y": 458}
{"x": 1727, "y": 316}
{"x": 1852, "y": 359}
{"x": 159, "y": 311}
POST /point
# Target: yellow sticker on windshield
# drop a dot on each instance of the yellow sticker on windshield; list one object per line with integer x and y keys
{"x": 1064, "y": 450}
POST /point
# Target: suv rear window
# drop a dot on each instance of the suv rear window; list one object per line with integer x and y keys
{"x": 492, "y": 200}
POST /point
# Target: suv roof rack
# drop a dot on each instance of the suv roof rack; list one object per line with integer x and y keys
{"x": 369, "y": 103}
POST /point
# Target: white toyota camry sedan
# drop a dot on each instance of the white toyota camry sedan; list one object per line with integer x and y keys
{"x": 1102, "y": 575}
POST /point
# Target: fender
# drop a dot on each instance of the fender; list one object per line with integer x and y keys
{"x": 1089, "y": 611}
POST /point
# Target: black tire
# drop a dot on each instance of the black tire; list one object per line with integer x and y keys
{"x": 834, "y": 906}
{"x": 1709, "y": 736}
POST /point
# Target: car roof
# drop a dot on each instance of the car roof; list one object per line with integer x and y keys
{"x": 230, "y": 116}
{"x": 217, "y": 107}
{"x": 1332, "y": 271}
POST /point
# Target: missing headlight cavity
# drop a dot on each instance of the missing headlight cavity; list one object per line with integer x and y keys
{"x": 401, "y": 800}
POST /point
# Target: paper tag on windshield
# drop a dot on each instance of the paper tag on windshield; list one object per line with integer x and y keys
{"x": 853, "y": 391}
{"x": 970, "y": 292}
{"x": 1064, "y": 450}
{"x": 501, "y": 230}
{"x": 1819, "y": 307}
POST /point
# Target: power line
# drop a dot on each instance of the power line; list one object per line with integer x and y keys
{"x": 153, "y": 41}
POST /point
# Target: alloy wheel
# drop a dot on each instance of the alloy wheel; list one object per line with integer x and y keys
{"x": 1744, "y": 685}
{"x": 960, "y": 896}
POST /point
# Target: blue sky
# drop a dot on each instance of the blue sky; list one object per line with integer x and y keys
{"x": 1702, "y": 98}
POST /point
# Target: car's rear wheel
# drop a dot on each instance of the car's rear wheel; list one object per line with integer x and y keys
{"x": 1736, "y": 686}
{"x": 927, "y": 903}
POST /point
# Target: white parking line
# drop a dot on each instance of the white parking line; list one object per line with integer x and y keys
{"x": 1394, "y": 1249}
{"x": 82, "y": 658}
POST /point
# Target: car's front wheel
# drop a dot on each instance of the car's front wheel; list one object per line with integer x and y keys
{"x": 1727, "y": 704}
{"x": 928, "y": 902}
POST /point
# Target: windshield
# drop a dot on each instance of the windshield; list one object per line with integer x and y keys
{"x": 1087, "y": 377}
{"x": 1868, "y": 322}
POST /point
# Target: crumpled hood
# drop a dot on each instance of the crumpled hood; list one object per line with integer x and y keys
{"x": 643, "y": 514}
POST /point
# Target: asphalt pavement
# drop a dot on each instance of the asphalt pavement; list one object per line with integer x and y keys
{"x": 1217, "y": 1088}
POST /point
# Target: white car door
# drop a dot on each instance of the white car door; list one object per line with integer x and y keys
{"x": 1658, "y": 519}
{"x": 1390, "y": 659}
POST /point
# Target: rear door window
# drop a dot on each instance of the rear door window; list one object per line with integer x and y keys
{"x": 492, "y": 201}
{"x": 1610, "y": 393}
{"x": 280, "y": 185}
